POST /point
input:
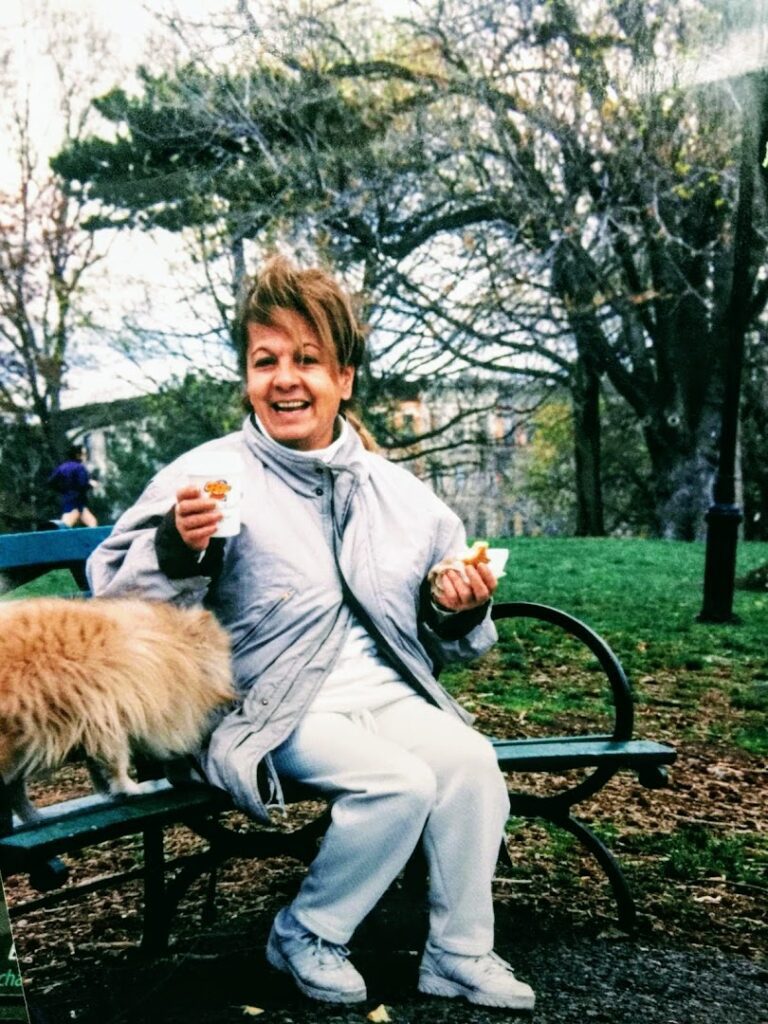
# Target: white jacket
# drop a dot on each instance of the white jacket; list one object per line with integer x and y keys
{"x": 316, "y": 541}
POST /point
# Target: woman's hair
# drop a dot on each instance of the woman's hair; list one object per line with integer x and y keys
{"x": 74, "y": 451}
{"x": 311, "y": 293}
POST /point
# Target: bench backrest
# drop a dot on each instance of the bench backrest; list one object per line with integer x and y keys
{"x": 25, "y": 556}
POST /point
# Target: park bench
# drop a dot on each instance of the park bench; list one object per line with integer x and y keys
{"x": 66, "y": 827}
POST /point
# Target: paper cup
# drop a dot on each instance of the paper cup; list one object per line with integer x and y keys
{"x": 221, "y": 478}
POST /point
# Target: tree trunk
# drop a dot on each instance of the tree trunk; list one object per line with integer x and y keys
{"x": 238, "y": 263}
{"x": 577, "y": 294}
{"x": 683, "y": 471}
{"x": 586, "y": 437}
{"x": 754, "y": 437}
{"x": 756, "y": 506}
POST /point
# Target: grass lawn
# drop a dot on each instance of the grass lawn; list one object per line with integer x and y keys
{"x": 696, "y": 853}
{"x": 642, "y": 596}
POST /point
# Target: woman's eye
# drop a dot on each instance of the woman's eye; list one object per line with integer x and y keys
{"x": 264, "y": 361}
{"x": 308, "y": 360}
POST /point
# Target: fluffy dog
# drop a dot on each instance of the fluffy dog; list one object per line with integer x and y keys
{"x": 109, "y": 676}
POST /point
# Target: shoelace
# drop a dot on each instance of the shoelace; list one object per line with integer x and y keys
{"x": 492, "y": 963}
{"x": 329, "y": 953}
{"x": 488, "y": 965}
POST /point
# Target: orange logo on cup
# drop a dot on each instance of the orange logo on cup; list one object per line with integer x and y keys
{"x": 218, "y": 489}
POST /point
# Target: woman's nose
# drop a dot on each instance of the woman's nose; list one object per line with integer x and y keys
{"x": 286, "y": 373}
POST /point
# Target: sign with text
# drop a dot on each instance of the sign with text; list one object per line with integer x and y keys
{"x": 12, "y": 1004}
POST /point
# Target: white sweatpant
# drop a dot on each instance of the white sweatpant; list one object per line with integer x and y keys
{"x": 392, "y": 773}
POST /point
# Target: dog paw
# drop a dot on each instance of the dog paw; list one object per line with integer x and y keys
{"x": 125, "y": 787}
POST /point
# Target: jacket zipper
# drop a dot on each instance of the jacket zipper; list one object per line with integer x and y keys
{"x": 267, "y": 615}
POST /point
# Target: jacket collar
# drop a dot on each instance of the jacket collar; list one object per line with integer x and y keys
{"x": 304, "y": 474}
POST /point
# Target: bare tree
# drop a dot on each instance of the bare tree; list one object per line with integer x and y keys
{"x": 45, "y": 255}
{"x": 510, "y": 194}
{"x": 620, "y": 188}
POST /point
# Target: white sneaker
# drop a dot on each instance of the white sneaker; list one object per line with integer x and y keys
{"x": 486, "y": 980}
{"x": 320, "y": 969}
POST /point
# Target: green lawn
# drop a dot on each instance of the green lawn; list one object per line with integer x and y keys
{"x": 695, "y": 854}
{"x": 639, "y": 592}
{"x": 55, "y": 583}
{"x": 642, "y": 596}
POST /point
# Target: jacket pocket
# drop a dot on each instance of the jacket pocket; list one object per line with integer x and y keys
{"x": 267, "y": 614}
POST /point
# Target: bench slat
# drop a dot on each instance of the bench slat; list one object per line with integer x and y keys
{"x": 95, "y": 819}
{"x": 553, "y": 753}
{"x": 50, "y": 548}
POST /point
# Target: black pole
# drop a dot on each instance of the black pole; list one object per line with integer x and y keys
{"x": 724, "y": 515}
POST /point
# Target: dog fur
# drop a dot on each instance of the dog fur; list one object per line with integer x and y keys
{"x": 109, "y": 676}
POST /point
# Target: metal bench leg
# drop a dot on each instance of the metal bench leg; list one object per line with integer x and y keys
{"x": 154, "y": 939}
{"x": 176, "y": 888}
{"x": 505, "y": 857}
{"x": 304, "y": 843}
{"x": 49, "y": 875}
{"x": 625, "y": 905}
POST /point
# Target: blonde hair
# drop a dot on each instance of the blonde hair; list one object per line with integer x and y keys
{"x": 314, "y": 295}
{"x": 369, "y": 441}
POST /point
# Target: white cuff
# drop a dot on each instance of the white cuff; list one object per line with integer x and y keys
{"x": 443, "y": 614}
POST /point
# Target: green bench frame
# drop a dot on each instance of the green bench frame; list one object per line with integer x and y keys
{"x": 34, "y": 849}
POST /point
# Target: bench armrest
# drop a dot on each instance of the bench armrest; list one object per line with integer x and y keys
{"x": 620, "y": 688}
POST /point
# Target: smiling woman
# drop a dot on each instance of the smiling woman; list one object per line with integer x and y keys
{"x": 336, "y": 630}
{"x": 293, "y": 382}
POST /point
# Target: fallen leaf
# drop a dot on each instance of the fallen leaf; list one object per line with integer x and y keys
{"x": 612, "y": 934}
{"x": 252, "y": 1011}
{"x": 379, "y": 1015}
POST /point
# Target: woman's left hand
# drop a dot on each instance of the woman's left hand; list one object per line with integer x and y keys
{"x": 457, "y": 595}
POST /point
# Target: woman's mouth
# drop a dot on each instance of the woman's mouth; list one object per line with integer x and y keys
{"x": 293, "y": 406}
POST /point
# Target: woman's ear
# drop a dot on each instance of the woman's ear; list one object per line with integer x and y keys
{"x": 346, "y": 382}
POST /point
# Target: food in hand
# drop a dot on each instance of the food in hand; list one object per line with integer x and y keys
{"x": 476, "y": 555}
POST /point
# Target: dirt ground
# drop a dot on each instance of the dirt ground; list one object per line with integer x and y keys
{"x": 698, "y": 956}
{"x": 579, "y": 974}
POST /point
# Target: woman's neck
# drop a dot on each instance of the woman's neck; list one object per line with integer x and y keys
{"x": 340, "y": 429}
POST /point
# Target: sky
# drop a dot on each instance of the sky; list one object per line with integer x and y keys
{"x": 138, "y": 275}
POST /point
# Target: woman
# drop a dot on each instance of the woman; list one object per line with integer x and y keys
{"x": 335, "y": 638}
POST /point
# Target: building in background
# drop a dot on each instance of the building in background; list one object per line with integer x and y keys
{"x": 469, "y": 441}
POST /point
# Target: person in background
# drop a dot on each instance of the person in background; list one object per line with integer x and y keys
{"x": 72, "y": 480}
{"x": 336, "y": 636}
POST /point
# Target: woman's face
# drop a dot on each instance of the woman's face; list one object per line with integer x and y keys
{"x": 292, "y": 383}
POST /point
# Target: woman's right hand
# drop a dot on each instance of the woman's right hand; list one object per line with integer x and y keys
{"x": 196, "y": 518}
